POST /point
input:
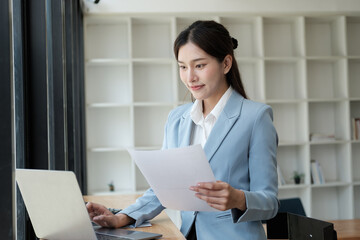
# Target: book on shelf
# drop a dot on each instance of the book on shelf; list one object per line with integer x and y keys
{"x": 281, "y": 179}
{"x": 320, "y": 172}
{"x": 356, "y": 128}
{"x": 319, "y": 137}
{"x": 317, "y": 175}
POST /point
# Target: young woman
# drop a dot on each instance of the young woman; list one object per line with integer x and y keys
{"x": 237, "y": 135}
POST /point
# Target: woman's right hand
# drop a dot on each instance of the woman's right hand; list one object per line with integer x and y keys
{"x": 100, "y": 215}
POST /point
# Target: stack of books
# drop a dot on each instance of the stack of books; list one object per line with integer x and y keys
{"x": 356, "y": 128}
{"x": 281, "y": 179}
{"x": 320, "y": 137}
{"x": 317, "y": 175}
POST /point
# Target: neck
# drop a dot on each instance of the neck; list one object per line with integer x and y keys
{"x": 209, "y": 104}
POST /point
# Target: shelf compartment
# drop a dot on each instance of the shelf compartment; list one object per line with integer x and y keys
{"x": 149, "y": 125}
{"x": 107, "y": 167}
{"x": 151, "y": 38}
{"x": 109, "y": 127}
{"x": 334, "y": 160}
{"x": 251, "y": 78}
{"x": 293, "y": 158}
{"x": 354, "y": 113}
{"x": 248, "y": 33}
{"x": 332, "y": 203}
{"x": 141, "y": 182}
{"x": 325, "y": 36}
{"x": 355, "y": 109}
{"x": 107, "y": 84}
{"x": 354, "y": 78}
{"x": 328, "y": 119}
{"x": 152, "y": 82}
{"x": 355, "y": 150}
{"x": 101, "y": 36}
{"x": 326, "y": 79}
{"x": 290, "y": 120}
{"x": 353, "y": 35}
{"x": 285, "y": 80}
{"x": 283, "y": 37}
{"x": 356, "y": 202}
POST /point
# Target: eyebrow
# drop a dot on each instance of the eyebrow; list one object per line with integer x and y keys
{"x": 194, "y": 60}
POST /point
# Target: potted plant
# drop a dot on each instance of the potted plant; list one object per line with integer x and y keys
{"x": 111, "y": 186}
{"x": 297, "y": 177}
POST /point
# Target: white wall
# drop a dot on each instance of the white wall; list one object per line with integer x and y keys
{"x": 221, "y": 6}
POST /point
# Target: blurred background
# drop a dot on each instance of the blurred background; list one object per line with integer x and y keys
{"x": 83, "y": 80}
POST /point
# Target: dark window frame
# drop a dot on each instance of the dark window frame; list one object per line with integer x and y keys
{"x": 6, "y": 138}
{"x": 42, "y": 113}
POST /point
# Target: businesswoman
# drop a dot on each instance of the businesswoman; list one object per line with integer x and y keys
{"x": 238, "y": 138}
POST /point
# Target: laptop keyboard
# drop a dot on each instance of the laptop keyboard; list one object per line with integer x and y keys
{"x": 107, "y": 237}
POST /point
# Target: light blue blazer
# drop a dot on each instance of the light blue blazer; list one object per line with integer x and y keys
{"x": 241, "y": 150}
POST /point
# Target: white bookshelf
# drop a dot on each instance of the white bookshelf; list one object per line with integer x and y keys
{"x": 305, "y": 67}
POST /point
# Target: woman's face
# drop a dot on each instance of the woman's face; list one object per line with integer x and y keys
{"x": 201, "y": 73}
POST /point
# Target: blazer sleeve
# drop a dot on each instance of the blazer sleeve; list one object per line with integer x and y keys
{"x": 261, "y": 199}
{"x": 147, "y": 206}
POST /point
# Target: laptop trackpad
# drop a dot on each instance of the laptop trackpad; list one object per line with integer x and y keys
{"x": 126, "y": 234}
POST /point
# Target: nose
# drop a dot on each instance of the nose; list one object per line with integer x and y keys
{"x": 191, "y": 76}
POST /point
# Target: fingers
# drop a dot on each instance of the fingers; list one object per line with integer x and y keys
{"x": 104, "y": 220}
{"x": 218, "y": 185}
{"x": 215, "y": 194}
{"x": 95, "y": 210}
{"x": 90, "y": 207}
{"x": 211, "y": 188}
{"x": 91, "y": 210}
{"x": 219, "y": 203}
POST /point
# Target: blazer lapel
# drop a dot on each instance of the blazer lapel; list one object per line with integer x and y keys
{"x": 185, "y": 129}
{"x": 223, "y": 125}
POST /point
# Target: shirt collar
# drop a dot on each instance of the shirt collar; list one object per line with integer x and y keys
{"x": 197, "y": 109}
{"x": 196, "y": 112}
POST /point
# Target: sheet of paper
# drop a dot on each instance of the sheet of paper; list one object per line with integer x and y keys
{"x": 171, "y": 172}
{"x": 144, "y": 224}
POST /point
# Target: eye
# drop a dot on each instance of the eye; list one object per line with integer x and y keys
{"x": 200, "y": 66}
{"x": 182, "y": 67}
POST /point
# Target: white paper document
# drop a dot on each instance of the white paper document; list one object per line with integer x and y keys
{"x": 171, "y": 172}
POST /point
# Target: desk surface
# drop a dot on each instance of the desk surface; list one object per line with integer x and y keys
{"x": 346, "y": 229}
{"x": 160, "y": 224}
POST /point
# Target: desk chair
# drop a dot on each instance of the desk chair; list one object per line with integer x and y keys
{"x": 292, "y": 205}
{"x": 287, "y": 225}
{"x": 277, "y": 227}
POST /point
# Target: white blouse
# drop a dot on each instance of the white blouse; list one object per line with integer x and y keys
{"x": 203, "y": 126}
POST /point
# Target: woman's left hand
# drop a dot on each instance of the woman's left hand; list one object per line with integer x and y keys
{"x": 220, "y": 195}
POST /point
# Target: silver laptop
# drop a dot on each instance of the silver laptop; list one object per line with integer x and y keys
{"x": 57, "y": 210}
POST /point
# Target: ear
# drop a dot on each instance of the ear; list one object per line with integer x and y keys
{"x": 227, "y": 63}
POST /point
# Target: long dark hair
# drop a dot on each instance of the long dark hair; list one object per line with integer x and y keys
{"x": 215, "y": 40}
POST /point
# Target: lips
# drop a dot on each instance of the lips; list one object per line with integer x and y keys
{"x": 195, "y": 88}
